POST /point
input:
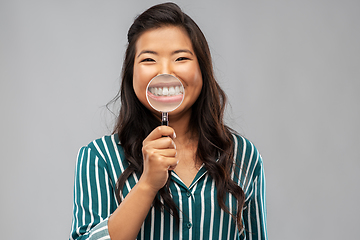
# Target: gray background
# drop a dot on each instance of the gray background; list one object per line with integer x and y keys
{"x": 290, "y": 69}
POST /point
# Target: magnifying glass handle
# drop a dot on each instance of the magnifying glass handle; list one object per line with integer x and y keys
{"x": 164, "y": 119}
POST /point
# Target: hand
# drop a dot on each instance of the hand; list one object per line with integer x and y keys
{"x": 159, "y": 156}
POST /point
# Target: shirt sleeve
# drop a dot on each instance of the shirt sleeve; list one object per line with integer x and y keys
{"x": 254, "y": 213}
{"x": 93, "y": 197}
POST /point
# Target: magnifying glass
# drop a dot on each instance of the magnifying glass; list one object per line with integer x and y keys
{"x": 165, "y": 93}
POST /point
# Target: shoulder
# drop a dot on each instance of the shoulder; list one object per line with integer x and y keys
{"x": 107, "y": 149}
{"x": 105, "y": 154}
{"x": 105, "y": 143}
{"x": 245, "y": 149}
{"x": 247, "y": 160}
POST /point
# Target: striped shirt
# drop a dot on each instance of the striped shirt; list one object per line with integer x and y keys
{"x": 100, "y": 164}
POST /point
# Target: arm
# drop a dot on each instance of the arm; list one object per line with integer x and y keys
{"x": 254, "y": 214}
{"x": 131, "y": 212}
{"x": 93, "y": 197}
{"x": 159, "y": 156}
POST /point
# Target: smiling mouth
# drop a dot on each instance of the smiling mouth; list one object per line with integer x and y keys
{"x": 169, "y": 95}
{"x": 166, "y": 91}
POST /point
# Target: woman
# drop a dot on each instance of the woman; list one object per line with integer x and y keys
{"x": 201, "y": 181}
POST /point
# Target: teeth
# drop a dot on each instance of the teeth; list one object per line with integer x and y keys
{"x": 171, "y": 91}
{"x": 167, "y": 91}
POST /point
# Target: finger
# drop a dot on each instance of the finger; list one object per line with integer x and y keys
{"x": 164, "y": 162}
{"x": 160, "y": 132}
{"x": 160, "y": 143}
{"x": 173, "y": 165}
{"x": 167, "y": 152}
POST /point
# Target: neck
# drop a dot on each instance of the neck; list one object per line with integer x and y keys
{"x": 181, "y": 127}
{"x": 186, "y": 147}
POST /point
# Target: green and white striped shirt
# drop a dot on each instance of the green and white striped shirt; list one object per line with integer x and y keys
{"x": 100, "y": 164}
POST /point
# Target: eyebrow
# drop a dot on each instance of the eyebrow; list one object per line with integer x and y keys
{"x": 182, "y": 51}
{"x": 147, "y": 51}
{"x": 175, "y": 52}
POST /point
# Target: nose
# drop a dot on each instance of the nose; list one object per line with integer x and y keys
{"x": 165, "y": 68}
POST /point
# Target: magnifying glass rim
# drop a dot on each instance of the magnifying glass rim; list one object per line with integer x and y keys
{"x": 164, "y": 74}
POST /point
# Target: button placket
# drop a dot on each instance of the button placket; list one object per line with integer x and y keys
{"x": 189, "y": 225}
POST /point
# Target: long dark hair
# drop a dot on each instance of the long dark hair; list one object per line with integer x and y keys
{"x": 135, "y": 121}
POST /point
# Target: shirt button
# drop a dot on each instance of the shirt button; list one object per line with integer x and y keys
{"x": 189, "y": 225}
{"x": 188, "y": 194}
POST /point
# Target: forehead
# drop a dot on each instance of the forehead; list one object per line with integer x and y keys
{"x": 164, "y": 38}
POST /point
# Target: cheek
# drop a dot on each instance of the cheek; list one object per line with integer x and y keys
{"x": 196, "y": 84}
{"x": 195, "y": 80}
{"x": 191, "y": 74}
{"x": 143, "y": 74}
{"x": 198, "y": 81}
{"x": 141, "y": 79}
{"x": 139, "y": 85}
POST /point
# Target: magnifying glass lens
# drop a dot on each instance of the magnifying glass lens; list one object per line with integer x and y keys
{"x": 165, "y": 93}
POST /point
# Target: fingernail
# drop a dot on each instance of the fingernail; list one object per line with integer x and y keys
{"x": 174, "y": 135}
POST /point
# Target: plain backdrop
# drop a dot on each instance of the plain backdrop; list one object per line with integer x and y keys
{"x": 291, "y": 70}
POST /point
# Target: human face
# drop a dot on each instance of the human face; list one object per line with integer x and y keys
{"x": 167, "y": 50}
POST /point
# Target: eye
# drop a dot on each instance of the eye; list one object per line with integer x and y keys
{"x": 148, "y": 60}
{"x": 182, "y": 59}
